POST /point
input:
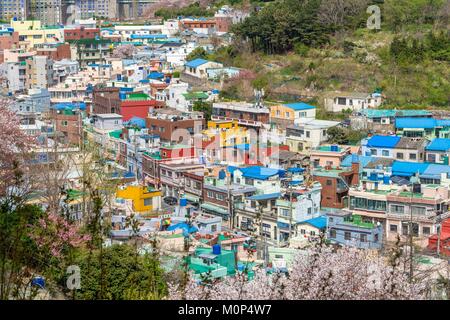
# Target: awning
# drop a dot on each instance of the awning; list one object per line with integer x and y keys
{"x": 217, "y": 209}
{"x": 192, "y": 198}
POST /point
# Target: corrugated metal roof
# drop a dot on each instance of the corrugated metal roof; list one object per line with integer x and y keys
{"x": 439, "y": 144}
{"x": 297, "y": 106}
{"x": 319, "y": 222}
{"x": 433, "y": 171}
{"x": 383, "y": 141}
{"x": 257, "y": 172}
{"x": 195, "y": 63}
{"x": 425, "y": 123}
{"x": 408, "y": 169}
{"x": 380, "y": 113}
{"x": 362, "y": 160}
{"x": 265, "y": 196}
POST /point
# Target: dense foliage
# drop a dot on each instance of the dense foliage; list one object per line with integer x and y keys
{"x": 192, "y": 10}
{"x": 432, "y": 46}
{"x": 119, "y": 273}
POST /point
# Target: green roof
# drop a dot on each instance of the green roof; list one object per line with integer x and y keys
{"x": 195, "y": 95}
{"x": 136, "y": 96}
{"x": 155, "y": 155}
{"x": 115, "y": 134}
{"x": 357, "y": 221}
{"x": 328, "y": 149}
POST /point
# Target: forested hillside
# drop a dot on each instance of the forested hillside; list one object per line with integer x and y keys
{"x": 309, "y": 47}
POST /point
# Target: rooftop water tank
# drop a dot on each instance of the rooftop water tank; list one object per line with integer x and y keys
{"x": 386, "y": 179}
{"x": 183, "y": 202}
{"x": 334, "y": 148}
{"x": 216, "y": 249}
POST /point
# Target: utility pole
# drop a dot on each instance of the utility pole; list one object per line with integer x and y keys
{"x": 410, "y": 237}
{"x": 438, "y": 248}
{"x": 230, "y": 202}
{"x": 290, "y": 209}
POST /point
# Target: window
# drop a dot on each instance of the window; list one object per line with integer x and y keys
{"x": 342, "y": 101}
{"x": 278, "y": 112}
{"x": 210, "y": 194}
{"x": 373, "y": 152}
{"x": 285, "y": 212}
{"x": 405, "y": 228}
{"x": 249, "y": 181}
{"x": 347, "y": 235}
{"x": 375, "y": 238}
{"x": 220, "y": 196}
{"x": 385, "y": 153}
{"x": 64, "y": 123}
{"x": 148, "y": 202}
{"x": 393, "y": 228}
{"x": 287, "y": 114}
{"x": 329, "y": 182}
{"x": 188, "y": 183}
{"x": 214, "y": 228}
{"x": 332, "y": 233}
{"x": 307, "y": 134}
{"x": 363, "y": 237}
{"x": 309, "y": 210}
{"x": 397, "y": 209}
{"x": 426, "y": 231}
{"x": 418, "y": 210}
{"x": 399, "y": 155}
{"x": 412, "y": 156}
{"x": 302, "y": 231}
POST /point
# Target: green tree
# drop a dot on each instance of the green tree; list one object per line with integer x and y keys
{"x": 205, "y": 107}
{"x": 125, "y": 277}
{"x": 197, "y": 53}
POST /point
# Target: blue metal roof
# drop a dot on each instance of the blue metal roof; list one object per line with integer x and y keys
{"x": 415, "y": 123}
{"x": 297, "y": 106}
{"x": 136, "y": 121}
{"x": 383, "y": 141}
{"x": 155, "y": 75}
{"x": 195, "y": 63}
{"x": 319, "y": 222}
{"x": 408, "y": 169}
{"x": 433, "y": 171}
{"x": 265, "y": 196}
{"x": 70, "y": 105}
{"x": 257, "y": 172}
{"x": 295, "y": 170}
{"x": 148, "y": 36}
{"x": 362, "y": 160}
{"x": 439, "y": 144}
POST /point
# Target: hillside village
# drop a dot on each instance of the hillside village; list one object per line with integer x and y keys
{"x": 136, "y": 127}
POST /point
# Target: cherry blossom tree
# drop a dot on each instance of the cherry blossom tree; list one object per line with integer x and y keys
{"x": 320, "y": 273}
{"x": 14, "y": 145}
{"x": 55, "y": 233}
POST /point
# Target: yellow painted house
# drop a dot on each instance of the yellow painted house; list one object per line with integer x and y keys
{"x": 31, "y": 33}
{"x": 292, "y": 111}
{"x": 143, "y": 198}
{"x": 228, "y": 131}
